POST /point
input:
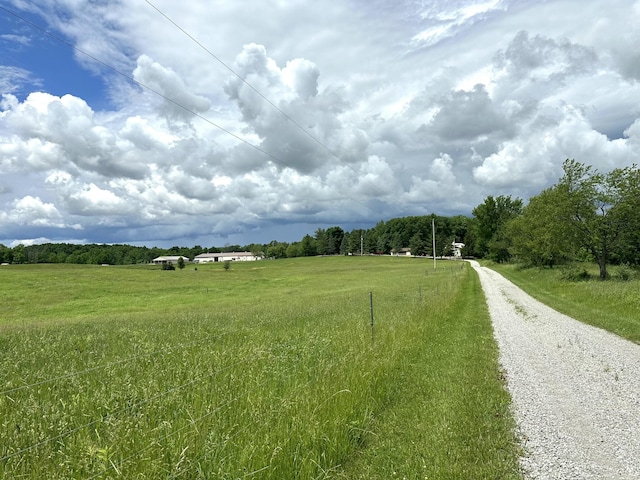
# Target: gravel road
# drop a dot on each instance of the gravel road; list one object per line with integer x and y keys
{"x": 575, "y": 388}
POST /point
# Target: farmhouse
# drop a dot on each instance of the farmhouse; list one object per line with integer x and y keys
{"x": 226, "y": 257}
{"x": 173, "y": 259}
{"x": 457, "y": 247}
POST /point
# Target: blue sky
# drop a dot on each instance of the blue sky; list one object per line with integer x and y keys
{"x": 384, "y": 109}
{"x": 51, "y": 65}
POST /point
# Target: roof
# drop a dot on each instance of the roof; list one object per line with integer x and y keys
{"x": 225, "y": 254}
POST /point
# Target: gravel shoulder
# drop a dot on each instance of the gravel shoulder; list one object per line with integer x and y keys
{"x": 575, "y": 388}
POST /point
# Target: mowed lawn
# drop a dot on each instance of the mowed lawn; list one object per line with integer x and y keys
{"x": 270, "y": 370}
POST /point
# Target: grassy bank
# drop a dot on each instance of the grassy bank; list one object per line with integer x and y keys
{"x": 268, "y": 370}
{"x": 613, "y": 305}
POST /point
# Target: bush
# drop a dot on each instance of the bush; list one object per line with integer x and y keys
{"x": 168, "y": 266}
{"x": 227, "y": 265}
{"x": 574, "y": 273}
{"x": 624, "y": 273}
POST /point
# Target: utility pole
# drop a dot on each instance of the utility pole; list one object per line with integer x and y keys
{"x": 361, "y": 245}
{"x": 433, "y": 231}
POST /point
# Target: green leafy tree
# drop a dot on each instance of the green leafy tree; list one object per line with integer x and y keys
{"x": 418, "y": 245}
{"x": 356, "y": 240}
{"x": 308, "y": 247}
{"x": 293, "y": 250}
{"x": 321, "y": 243}
{"x": 344, "y": 244}
{"x": 539, "y": 237}
{"x": 334, "y": 240}
{"x": 180, "y": 263}
{"x": 19, "y": 255}
{"x": 600, "y": 209}
{"x": 6, "y": 254}
{"x": 490, "y": 218}
{"x": 276, "y": 249}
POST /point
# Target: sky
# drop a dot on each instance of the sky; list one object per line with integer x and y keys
{"x": 209, "y": 122}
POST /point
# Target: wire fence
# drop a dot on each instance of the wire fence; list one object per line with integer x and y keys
{"x": 8, "y": 455}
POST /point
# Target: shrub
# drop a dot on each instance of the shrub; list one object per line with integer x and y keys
{"x": 227, "y": 265}
{"x": 574, "y": 273}
{"x": 168, "y": 266}
{"x": 624, "y": 273}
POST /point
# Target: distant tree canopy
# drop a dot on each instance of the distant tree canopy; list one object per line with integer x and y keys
{"x": 383, "y": 238}
{"x": 586, "y": 215}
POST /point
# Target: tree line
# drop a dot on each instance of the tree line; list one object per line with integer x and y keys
{"x": 413, "y": 232}
{"x": 586, "y": 215}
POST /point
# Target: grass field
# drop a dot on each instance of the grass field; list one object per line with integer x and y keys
{"x": 269, "y": 370}
{"x": 613, "y": 304}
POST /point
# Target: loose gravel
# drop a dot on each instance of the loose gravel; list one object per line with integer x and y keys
{"x": 575, "y": 389}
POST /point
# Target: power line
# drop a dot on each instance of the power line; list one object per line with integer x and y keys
{"x": 258, "y": 92}
{"x": 273, "y": 157}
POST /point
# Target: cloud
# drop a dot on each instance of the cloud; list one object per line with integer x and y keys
{"x": 532, "y": 68}
{"x": 374, "y": 110}
{"x": 445, "y": 22}
{"x": 179, "y": 102}
{"x": 298, "y": 126}
{"x": 563, "y": 133}
{"x": 14, "y": 78}
{"x": 93, "y": 200}
{"x": 441, "y": 183}
{"x": 465, "y": 115}
{"x": 32, "y": 211}
{"x": 66, "y": 128}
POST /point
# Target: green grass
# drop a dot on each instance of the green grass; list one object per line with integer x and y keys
{"x": 613, "y": 304}
{"x": 269, "y": 370}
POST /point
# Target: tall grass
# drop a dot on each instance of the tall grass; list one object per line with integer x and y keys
{"x": 268, "y": 370}
{"x": 613, "y": 304}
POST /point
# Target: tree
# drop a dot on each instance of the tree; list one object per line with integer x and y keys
{"x": 276, "y": 249}
{"x": 344, "y": 244}
{"x": 19, "y": 254}
{"x": 180, "y": 263}
{"x": 539, "y": 237}
{"x": 321, "y": 243}
{"x": 308, "y": 246}
{"x": 6, "y": 254}
{"x": 334, "y": 240}
{"x": 418, "y": 245}
{"x": 293, "y": 250}
{"x": 489, "y": 223}
{"x": 599, "y": 209}
{"x": 356, "y": 241}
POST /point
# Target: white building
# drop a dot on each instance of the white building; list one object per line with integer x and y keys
{"x": 173, "y": 259}
{"x": 226, "y": 257}
{"x": 457, "y": 247}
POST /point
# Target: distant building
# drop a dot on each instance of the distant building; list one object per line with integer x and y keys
{"x": 404, "y": 252}
{"x": 173, "y": 259}
{"x": 226, "y": 257}
{"x": 456, "y": 248}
